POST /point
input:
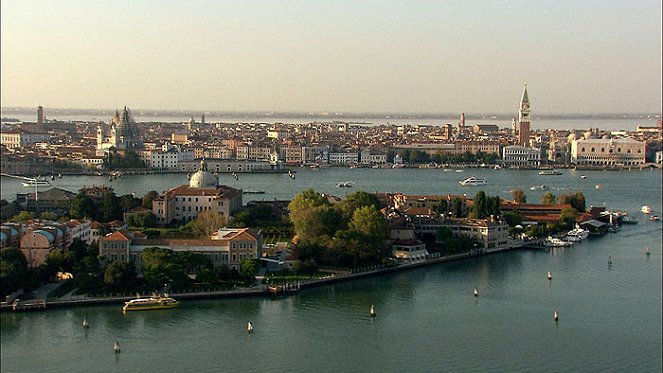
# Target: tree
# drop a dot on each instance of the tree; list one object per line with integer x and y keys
{"x": 23, "y": 216}
{"x": 312, "y": 216}
{"x": 248, "y": 267}
{"x": 548, "y": 198}
{"x": 441, "y": 207}
{"x": 110, "y": 208}
{"x": 82, "y": 206}
{"x": 13, "y": 270}
{"x": 568, "y": 217}
{"x": 480, "y": 206}
{"x": 356, "y": 200}
{"x": 513, "y": 218}
{"x": 206, "y": 223}
{"x": 146, "y": 201}
{"x": 207, "y": 276}
{"x": 127, "y": 202}
{"x": 120, "y": 275}
{"x": 48, "y": 215}
{"x": 444, "y": 234}
{"x": 519, "y": 196}
{"x": 457, "y": 207}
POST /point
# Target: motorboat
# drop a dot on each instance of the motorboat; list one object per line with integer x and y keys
{"x": 36, "y": 183}
{"x": 539, "y": 187}
{"x": 549, "y": 172}
{"x": 251, "y": 191}
{"x": 473, "y": 181}
{"x": 577, "y": 234}
{"x": 557, "y": 242}
{"x": 151, "y": 303}
{"x": 646, "y": 209}
{"x": 654, "y": 218}
{"x": 628, "y": 219}
{"x": 460, "y": 171}
{"x": 583, "y": 176}
{"x": 345, "y": 184}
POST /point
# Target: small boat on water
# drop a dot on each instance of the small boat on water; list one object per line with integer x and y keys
{"x": 251, "y": 191}
{"x": 583, "y": 176}
{"x": 151, "y": 303}
{"x": 628, "y": 219}
{"x": 646, "y": 209}
{"x": 460, "y": 171}
{"x": 473, "y": 181}
{"x": 550, "y": 172}
{"x": 577, "y": 234}
{"x": 539, "y": 187}
{"x": 654, "y": 218}
{"x": 345, "y": 184}
{"x": 372, "y": 312}
{"x": 557, "y": 242}
{"x": 36, "y": 182}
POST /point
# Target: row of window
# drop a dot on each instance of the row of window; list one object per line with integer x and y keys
{"x": 619, "y": 150}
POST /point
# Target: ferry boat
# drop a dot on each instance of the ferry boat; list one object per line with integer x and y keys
{"x": 549, "y": 172}
{"x": 473, "y": 181}
{"x": 35, "y": 182}
{"x": 646, "y": 209}
{"x": 151, "y": 303}
{"x": 577, "y": 234}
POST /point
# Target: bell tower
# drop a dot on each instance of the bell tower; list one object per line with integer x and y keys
{"x": 524, "y": 119}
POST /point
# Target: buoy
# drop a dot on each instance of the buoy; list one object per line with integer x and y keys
{"x": 249, "y": 327}
{"x": 116, "y": 347}
{"x": 549, "y": 275}
{"x": 372, "y": 310}
{"x": 85, "y": 324}
{"x": 555, "y": 317}
{"x": 476, "y": 292}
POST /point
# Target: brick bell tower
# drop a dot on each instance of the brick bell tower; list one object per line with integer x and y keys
{"x": 523, "y": 119}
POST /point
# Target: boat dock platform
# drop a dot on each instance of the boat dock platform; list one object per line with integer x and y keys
{"x": 28, "y": 305}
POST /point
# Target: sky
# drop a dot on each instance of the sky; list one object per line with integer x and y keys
{"x": 333, "y": 56}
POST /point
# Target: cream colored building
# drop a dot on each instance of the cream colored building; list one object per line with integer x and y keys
{"x": 608, "y": 152}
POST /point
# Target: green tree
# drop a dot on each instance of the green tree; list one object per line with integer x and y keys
{"x": 207, "y": 276}
{"x": 441, "y": 207}
{"x": 548, "y": 198}
{"x": 444, "y": 233}
{"x": 312, "y": 216}
{"x": 48, "y": 215}
{"x": 127, "y": 202}
{"x": 82, "y": 206}
{"x": 356, "y": 200}
{"x": 160, "y": 266}
{"x": 13, "y": 270}
{"x": 519, "y": 196}
{"x": 457, "y": 207}
{"x": 248, "y": 267}
{"x": 110, "y": 208}
{"x": 513, "y": 218}
{"x": 206, "y": 223}
{"x": 120, "y": 275}
{"x": 23, "y": 216}
{"x": 146, "y": 201}
{"x": 480, "y": 206}
{"x": 568, "y": 217}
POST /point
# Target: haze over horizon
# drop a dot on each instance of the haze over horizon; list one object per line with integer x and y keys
{"x": 358, "y": 57}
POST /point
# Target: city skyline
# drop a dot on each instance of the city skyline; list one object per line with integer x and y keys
{"x": 371, "y": 57}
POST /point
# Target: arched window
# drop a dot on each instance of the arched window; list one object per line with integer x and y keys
{"x": 593, "y": 150}
{"x": 602, "y": 150}
{"x": 619, "y": 150}
{"x": 583, "y": 149}
{"x": 629, "y": 151}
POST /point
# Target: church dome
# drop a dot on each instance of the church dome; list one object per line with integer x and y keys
{"x": 203, "y": 178}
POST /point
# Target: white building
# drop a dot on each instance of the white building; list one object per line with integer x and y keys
{"x": 349, "y": 157}
{"x": 19, "y": 139}
{"x": 368, "y": 157}
{"x": 608, "y": 152}
{"x": 516, "y": 155}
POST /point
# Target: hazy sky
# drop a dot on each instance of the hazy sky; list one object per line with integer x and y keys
{"x": 374, "y": 56}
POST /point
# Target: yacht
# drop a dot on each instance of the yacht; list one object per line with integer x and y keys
{"x": 577, "y": 234}
{"x": 557, "y": 242}
{"x": 646, "y": 209}
{"x": 151, "y": 303}
{"x": 473, "y": 181}
{"x": 549, "y": 172}
{"x": 35, "y": 182}
{"x": 583, "y": 176}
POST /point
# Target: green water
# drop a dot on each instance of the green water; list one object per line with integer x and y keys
{"x": 427, "y": 319}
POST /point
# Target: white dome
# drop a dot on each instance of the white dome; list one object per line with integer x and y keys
{"x": 203, "y": 178}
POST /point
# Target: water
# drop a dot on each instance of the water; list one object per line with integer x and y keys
{"x": 427, "y": 319}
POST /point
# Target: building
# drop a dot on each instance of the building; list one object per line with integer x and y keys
{"x": 490, "y": 233}
{"x": 608, "y": 152}
{"x": 519, "y": 156}
{"x": 203, "y": 193}
{"x": 54, "y": 200}
{"x": 524, "y": 119}
{"x": 20, "y": 138}
{"x": 226, "y": 247}
{"x": 124, "y": 134}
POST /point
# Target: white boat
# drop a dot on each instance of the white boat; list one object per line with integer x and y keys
{"x": 577, "y": 234}
{"x": 460, "y": 171}
{"x": 497, "y": 167}
{"x": 539, "y": 187}
{"x": 583, "y": 176}
{"x": 557, "y": 242}
{"x": 345, "y": 184}
{"x": 646, "y": 209}
{"x": 473, "y": 181}
{"x": 549, "y": 172}
{"x": 35, "y": 182}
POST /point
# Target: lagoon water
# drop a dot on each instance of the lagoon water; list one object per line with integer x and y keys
{"x": 427, "y": 319}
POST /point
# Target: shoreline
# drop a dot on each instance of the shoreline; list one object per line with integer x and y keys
{"x": 263, "y": 290}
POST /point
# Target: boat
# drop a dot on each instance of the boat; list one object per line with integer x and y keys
{"x": 577, "y": 234}
{"x": 59, "y": 176}
{"x": 557, "y": 242}
{"x": 35, "y": 182}
{"x": 613, "y": 228}
{"x": 151, "y": 303}
{"x": 251, "y": 191}
{"x": 597, "y": 186}
{"x": 646, "y": 209}
{"x": 628, "y": 219}
{"x": 460, "y": 171}
{"x": 345, "y": 184}
{"x": 539, "y": 187}
{"x": 654, "y": 218}
{"x": 497, "y": 167}
{"x": 549, "y": 172}
{"x": 473, "y": 181}
{"x": 583, "y": 176}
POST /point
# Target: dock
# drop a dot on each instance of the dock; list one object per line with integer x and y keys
{"x": 28, "y": 305}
